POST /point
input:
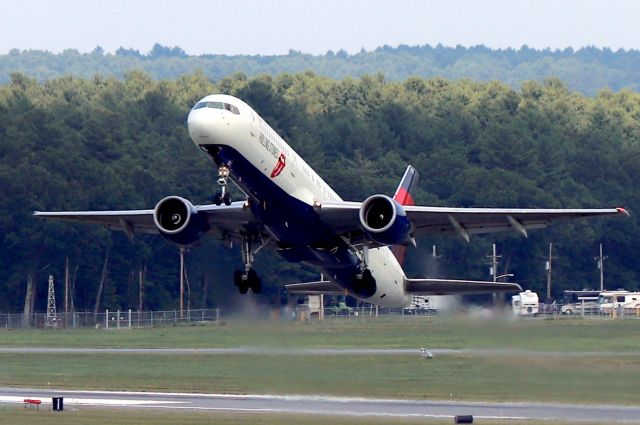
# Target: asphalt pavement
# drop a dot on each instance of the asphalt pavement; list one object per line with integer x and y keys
{"x": 323, "y": 405}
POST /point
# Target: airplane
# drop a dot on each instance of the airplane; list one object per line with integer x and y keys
{"x": 358, "y": 246}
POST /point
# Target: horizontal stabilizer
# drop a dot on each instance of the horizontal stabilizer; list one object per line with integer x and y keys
{"x": 456, "y": 287}
{"x": 325, "y": 287}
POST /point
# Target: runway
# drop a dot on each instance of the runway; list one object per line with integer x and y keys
{"x": 323, "y": 405}
{"x": 314, "y": 351}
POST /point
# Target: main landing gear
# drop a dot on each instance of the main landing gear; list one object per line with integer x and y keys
{"x": 364, "y": 282}
{"x": 248, "y": 278}
{"x": 222, "y": 196}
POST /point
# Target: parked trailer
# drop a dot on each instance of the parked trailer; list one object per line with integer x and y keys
{"x": 609, "y": 301}
{"x": 525, "y": 303}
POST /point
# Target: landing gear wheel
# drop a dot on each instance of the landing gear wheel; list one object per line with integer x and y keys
{"x": 364, "y": 276}
{"x": 254, "y": 281}
{"x": 217, "y": 198}
{"x": 367, "y": 276}
{"x": 226, "y": 198}
{"x": 248, "y": 279}
{"x": 243, "y": 288}
{"x": 239, "y": 279}
{"x": 364, "y": 283}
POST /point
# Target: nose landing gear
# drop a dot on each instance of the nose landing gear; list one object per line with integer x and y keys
{"x": 222, "y": 196}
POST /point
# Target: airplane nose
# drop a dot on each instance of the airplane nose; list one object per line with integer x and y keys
{"x": 199, "y": 124}
{"x": 205, "y": 125}
{"x": 214, "y": 125}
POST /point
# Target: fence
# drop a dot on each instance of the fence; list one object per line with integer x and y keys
{"x": 368, "y": 310}
{"x": 112, "y": 319}
{"x": 365, "y": 310}
{"x": 128, "y": 319}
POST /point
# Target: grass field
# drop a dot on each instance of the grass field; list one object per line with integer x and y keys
{"x": 11, "y": 415}
{"x": 388, "y": 332}
{"x": 531, "y": 377}
{"x": 450, "y": 377}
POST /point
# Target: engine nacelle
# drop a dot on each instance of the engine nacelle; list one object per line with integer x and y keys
{"x": 179, "y": 221}
{"x": 385, "y": 220}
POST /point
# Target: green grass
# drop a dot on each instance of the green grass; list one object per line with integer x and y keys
{"x": 530, "y": 377}
{"x": 12, "y": 415}
{"x": 391, "y": 332}
{"x": 450, "y": 377}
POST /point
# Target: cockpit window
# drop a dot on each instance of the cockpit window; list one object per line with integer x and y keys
{"x": 231, "y": 108}
{"x": 218, "y": 105}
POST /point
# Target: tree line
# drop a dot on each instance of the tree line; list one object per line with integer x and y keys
{"x": 586, "y": 70}
{"x": 105, "y": 143}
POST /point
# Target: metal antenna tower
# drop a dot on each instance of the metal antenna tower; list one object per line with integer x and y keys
{"x": 51, "y": 304}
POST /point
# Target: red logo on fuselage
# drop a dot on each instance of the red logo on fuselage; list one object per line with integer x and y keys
{"x": 282, "y": 161}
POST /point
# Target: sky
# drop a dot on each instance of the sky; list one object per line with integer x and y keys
{"x": 269, "y": 27}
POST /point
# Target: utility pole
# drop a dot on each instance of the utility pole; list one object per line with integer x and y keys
{"x": 498, "y": 299}
{"x": 321, "y": 311}
{"x": 494, "y": 263}
{"x": 141, "y": 276}
{"x": 600, "y": 259}
{"x": 72, "y": 287}
{"x": 29, "y": 300}
{"x": 66, "y": 288}
{"x": 182, "y": 249}
{"x": 51, "y": 304}
{"x": 205, "y": 288}
{"x": 549, "y": 267}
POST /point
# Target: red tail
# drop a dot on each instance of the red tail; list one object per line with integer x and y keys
{"x": 403, "y": 197}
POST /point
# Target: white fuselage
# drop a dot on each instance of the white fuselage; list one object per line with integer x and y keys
{"x": 227, "y": 121}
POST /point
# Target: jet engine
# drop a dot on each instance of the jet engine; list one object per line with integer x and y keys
{"x": 179, "y": 221}
{"x": 385, "y": 220}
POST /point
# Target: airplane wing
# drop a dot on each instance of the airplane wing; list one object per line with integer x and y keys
{"x": 414, "y": 287}
{"x": 226, "y": 220}
{"x": 343, "y": 218}
{"x": 315, "y": 288}
{"x": 456, "y": 287}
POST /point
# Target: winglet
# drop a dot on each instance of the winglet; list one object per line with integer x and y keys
{"x": 403, "y": 196}
{"x": 623, "y": 211}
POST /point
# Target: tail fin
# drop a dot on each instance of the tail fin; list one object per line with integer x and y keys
{"x": 403, "y": 196}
